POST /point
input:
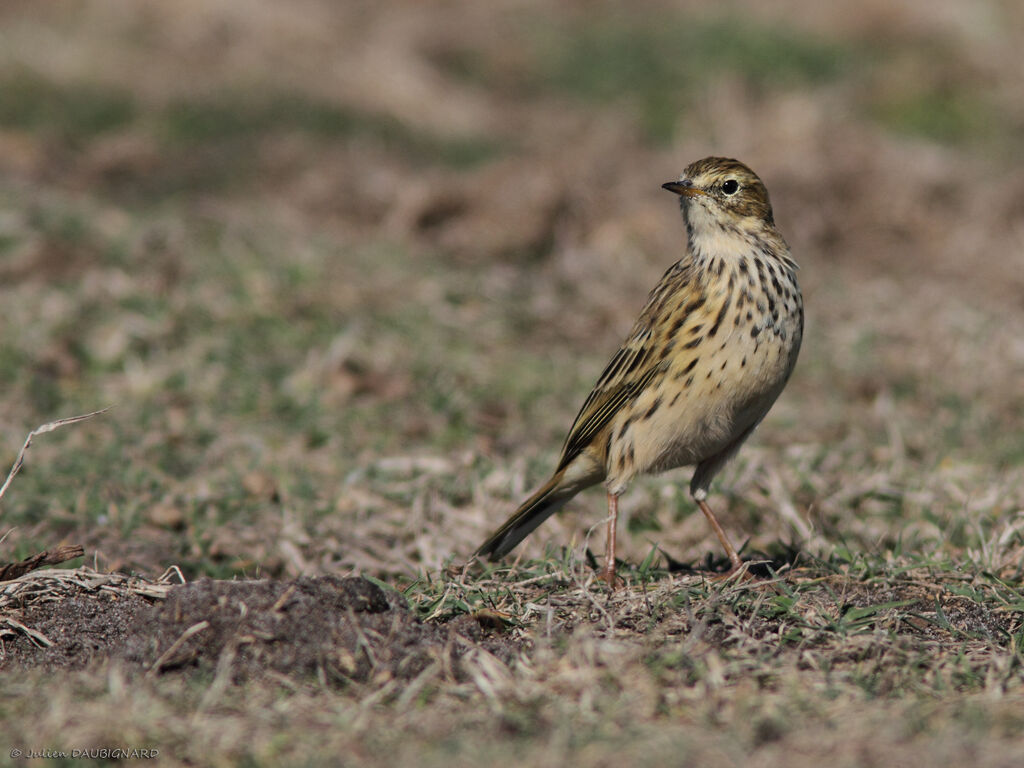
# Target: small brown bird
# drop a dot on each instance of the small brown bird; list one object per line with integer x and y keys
{"x": 706, "y": 359}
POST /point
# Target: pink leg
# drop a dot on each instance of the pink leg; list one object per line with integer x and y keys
{"x": 608, "y": 572}
{"x": 733, "y": 557}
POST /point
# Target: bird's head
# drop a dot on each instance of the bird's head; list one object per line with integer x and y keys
{"x": 718, "y": 192}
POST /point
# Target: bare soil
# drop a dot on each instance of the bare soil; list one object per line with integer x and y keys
{"x": 336, "y": 630}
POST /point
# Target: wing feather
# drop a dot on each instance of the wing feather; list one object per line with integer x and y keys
{"x": 629, "y": 371}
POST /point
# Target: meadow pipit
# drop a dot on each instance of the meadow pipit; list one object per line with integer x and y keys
{"x": 708, "y": 356}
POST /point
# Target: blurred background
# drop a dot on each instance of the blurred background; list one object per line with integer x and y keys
{"x": 346, "y": 270}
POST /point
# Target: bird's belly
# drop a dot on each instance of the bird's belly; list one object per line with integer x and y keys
{"x": 704, "y": 409}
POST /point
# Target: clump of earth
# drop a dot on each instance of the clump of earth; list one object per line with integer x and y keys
{"x": 337, "y": 630}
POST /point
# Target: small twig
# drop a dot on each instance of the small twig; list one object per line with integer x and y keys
{"x": 61, "y": 554}
{"x": 166, "y": 656}
{"x": 221, "y": 679}
{"x": 166, "y": 575}
{"x": 361, "y": 640}
{"x": 39, "y": 431}
{"x": 284, "y": 598}
{"x": 38, "y": 639}
{"x": 412, "y": 690}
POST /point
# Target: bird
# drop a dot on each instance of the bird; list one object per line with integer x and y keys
{"x": 704, "y": 362}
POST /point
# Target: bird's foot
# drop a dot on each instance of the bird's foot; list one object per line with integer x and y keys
{"x": 609, "y": 577}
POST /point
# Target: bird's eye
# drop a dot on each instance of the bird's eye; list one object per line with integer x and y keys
{"x": 730, "y": 186}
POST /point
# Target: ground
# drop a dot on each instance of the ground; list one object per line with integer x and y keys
{"x": 344, "y": 274}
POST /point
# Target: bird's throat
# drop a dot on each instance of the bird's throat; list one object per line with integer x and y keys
{"x": 728, "y": 244}
{"x": 713, "y": 236}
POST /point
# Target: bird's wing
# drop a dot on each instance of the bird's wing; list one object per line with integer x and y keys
{"x": 613, "y": 390}
{"x": 629, "y": 372}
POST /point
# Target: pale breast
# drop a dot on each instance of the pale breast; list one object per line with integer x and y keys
{"x": 727, "y": 367}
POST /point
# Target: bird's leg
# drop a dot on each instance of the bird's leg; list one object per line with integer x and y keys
{"x": 720, "y": 533}
{"x": 608, "y": 572}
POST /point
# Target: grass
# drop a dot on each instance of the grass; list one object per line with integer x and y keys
{"x": 246, "y": 116}
{"x": 82, "y": 111}
{"x": 314, "y": 371}
{"x": 662, "y": 66}
{"x": 657, "y": 67}
{"x": 278, "y": 355}
{"x": 950, "y": 117}
{"x": 209, "y": 142}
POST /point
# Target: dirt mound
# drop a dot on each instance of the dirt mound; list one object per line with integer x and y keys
{"x": 337, "y": 630}
{"x": 63, "y": 617}
{"x": 70, "y": 632}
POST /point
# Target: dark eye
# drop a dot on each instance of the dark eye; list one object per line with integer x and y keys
{"x": 730, "y": 186}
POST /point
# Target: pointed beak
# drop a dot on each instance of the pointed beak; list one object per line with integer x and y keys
{"x": 684, "y": 187}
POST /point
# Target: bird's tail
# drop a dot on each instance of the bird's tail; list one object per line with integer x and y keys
{"x": 551, "y": 497}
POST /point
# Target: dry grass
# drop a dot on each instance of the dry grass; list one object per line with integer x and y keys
{"x": 40, "y": 430}
{"x": 347, "y": 274}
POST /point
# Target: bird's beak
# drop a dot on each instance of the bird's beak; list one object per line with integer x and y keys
{"x": 684, "y": 187}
